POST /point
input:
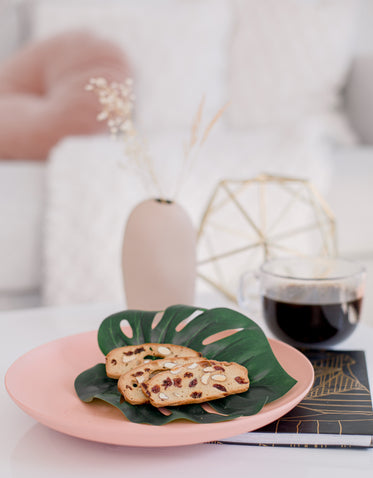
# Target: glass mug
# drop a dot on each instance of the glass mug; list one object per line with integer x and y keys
{"x": 308, "y": 301}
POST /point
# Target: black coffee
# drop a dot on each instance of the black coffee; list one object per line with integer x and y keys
{"x": 303, "y": 324}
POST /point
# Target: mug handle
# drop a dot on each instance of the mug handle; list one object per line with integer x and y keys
{"x": 248, "y": 296}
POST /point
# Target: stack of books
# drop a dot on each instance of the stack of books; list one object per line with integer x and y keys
{"x": 337, "y": 412}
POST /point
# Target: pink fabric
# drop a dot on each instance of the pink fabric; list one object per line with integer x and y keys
{"x": 42, "y": 96}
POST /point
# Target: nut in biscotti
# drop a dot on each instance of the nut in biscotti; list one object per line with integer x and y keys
{"x": 129, "y": 384}
{"x": 207, "y": 380}
{"x": 123, "y": 359}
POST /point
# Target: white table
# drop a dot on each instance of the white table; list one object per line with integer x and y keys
{"x": 29, "y": 449}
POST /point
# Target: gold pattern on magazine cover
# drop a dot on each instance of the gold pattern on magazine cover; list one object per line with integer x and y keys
{"x": 333, "y": 376}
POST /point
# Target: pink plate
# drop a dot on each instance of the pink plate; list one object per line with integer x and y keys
{"x": 41, "y": 383}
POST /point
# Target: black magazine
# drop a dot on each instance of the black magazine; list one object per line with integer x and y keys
{"x": 336, "y": 412}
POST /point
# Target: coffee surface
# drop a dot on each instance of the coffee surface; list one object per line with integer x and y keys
{"x": 311, "y": 323}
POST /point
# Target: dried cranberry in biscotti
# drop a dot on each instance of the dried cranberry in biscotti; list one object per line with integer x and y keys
{"x": 177, "y": 382}
{"x": 220, "y": 387}
{"x": 167, "y": 383}
{"x": 196, "y": 395}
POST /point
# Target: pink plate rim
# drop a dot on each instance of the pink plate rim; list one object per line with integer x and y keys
{"x": 103, "y": 423}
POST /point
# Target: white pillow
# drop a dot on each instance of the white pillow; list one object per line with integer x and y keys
{"x": 177, "y": 49}
{"x": 289, "y": 59}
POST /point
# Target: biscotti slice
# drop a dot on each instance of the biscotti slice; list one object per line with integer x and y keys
{"x": 129, "y": 384}
{"x": 198, "y": 382}
{"x": 123, "y": 359}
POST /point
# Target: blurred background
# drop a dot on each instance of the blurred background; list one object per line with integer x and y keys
{"x": 298, "y": 75}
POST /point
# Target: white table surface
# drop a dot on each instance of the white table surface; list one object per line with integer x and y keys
{"x": 29, "y": 449}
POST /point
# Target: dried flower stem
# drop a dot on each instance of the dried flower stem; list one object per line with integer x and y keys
{"x": 196, "y": 124}
{"x": 192, "y": 150}
{"x": 213, "y": 121}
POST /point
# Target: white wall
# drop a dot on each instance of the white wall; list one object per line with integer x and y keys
{"x": 13, "y": 20}
{"x": 8, "y": 28}
{"x": 365, "y": 36}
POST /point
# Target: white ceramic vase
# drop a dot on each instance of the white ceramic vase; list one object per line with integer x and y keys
{"x": 159, "y": 256}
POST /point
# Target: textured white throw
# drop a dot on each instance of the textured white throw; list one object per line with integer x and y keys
{"x": 89, "y": 198}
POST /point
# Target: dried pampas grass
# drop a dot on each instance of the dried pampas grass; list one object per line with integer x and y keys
{"x": 117, "y": 102}
{"x": 197, "y": 139}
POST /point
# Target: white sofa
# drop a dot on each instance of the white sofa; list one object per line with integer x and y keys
{"x": 60, "y": 217}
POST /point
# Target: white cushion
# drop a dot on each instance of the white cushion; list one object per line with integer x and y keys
{"x": 177, "y": 49}
{"x": 289, "y": 59}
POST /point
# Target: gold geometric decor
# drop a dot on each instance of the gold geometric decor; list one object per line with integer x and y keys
{"x": 249, "y": 221}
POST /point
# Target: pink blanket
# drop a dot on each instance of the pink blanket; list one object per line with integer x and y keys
{"x": 42, "y": 96}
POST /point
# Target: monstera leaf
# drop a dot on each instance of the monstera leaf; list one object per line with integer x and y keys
{"x": 242, "y": 341}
